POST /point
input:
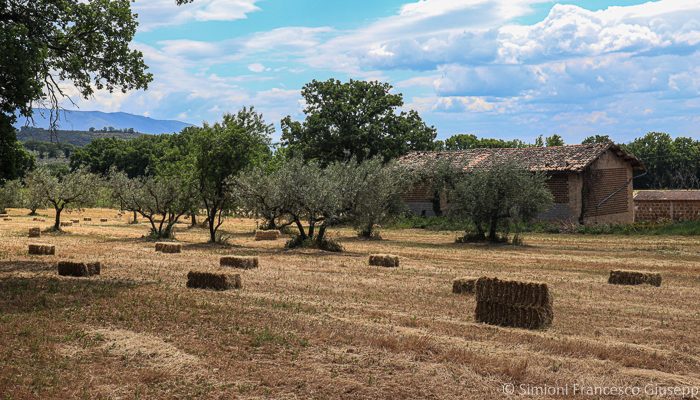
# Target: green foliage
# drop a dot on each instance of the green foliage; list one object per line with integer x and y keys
{"x": 222, "y": 151}
{"x": 356, "y": 120}
{"x": 15, "y": 161}
{"x": 49, "y": 150}
{"x": 259, "y": 192}
{"x": 498, "y": 199}
{"x": 376, "y": 195}
{"x": 161, "y": 199}
{"x": 73, "y": 190}
{"x": 670, "y": 163}
{"x": 84, "y": 43}
{"x": 10, "y": 195}
{"x": 597, "y": 139}
{"x": 554, "y": 140}
{"x": 136, "y": 157}
{"x": 468, "y": 141}
{"x": 324, "y": 244}
{"x": 69, "y": 137}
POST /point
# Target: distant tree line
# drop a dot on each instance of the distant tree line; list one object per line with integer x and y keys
{"x": 48, "y": 150}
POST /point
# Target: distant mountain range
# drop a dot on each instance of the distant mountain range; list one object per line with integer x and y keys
{"x": 84, "y": 120}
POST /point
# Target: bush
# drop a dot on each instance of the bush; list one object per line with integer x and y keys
{"x": 322, "y": 244}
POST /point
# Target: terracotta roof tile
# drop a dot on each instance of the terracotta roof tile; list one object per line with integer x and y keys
{"x": 573, "y": 158}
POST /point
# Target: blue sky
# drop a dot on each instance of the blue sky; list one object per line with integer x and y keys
{"x": 497, "y": 68}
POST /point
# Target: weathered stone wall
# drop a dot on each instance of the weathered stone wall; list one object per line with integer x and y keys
{"x": 658, "y": 210}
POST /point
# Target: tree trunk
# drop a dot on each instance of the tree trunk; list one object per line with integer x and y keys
{"x": 57, "y": 222}
{"x": 492, "y": 229}
{"x": 135, "y": 221}
{"x": 302, "y": 234}
{"x": 194, "y": 220}
{"x": 212, "y": 225}
{"x": 32, "y": 212}
{"x": 321, "y": 234}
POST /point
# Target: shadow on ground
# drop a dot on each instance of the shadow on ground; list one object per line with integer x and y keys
{"x": 22, "y": 295}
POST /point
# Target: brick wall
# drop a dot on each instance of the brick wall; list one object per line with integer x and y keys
{"x": 559, "y": 186}
{"x": 605, "y": 192}
{"x": 676, "y": 210}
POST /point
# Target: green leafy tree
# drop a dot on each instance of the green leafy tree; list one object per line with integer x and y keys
{"x": 221, "y": 151}
{"x": 377, "y": 194}
{"x": 554, "y": 140}
{"x": 15, "y": 160}
{"x": 10, "y": 195}
{"x": 356, "y": 120}
{"x": 136, "y": 157}
{"x": 161, "y": 199}
{"x": 260, "y": 193}
{"x": 670, "y": 163}
{"x": 597, "y": 139}
{"x": 469, "y": 141}
{"x": 72, "y": 190}
{"x": 316, "y": 198}
{"x": 498, "y": 199}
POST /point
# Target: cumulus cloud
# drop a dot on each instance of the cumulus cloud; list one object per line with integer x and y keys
{"x": 155, "y": 13}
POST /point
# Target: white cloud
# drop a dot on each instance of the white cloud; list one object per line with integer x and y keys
{"x": 257, "y": 67}
{"x": 155, "y": 13}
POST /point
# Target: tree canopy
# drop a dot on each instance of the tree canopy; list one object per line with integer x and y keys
{"x": 355, "y": 120}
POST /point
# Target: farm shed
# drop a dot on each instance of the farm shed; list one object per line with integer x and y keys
{"x": 674, "y": 205}
{"x": 591, "y": 183}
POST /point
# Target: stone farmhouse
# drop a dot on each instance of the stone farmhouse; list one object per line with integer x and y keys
{"x": 673, "y": 205}
{"x": 591, "y": 183}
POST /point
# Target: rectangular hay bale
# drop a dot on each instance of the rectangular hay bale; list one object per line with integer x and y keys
{"x": 87, "y": 219}
{"x": 464, "y": 285}
{"x": 621, "y": 277}
{"x": 515, "y": 304}
{"x": 75, "y": 221}
{"x": 69, "y": 268}
{"x": 170, "y": 248}
{"x": 42, "y": 249}
{"x": 239, "y": 262}
{"x": 210, "y": 280}
{"x": 384, "y": 260}
{"x": 104, "y": 220}
{"x": 7, "y": 219}
{"x": 66, "y": 224}
{"x": 4, "y": 215}
{"x": 267, "y": 235}
{"x": 34, "y": 232}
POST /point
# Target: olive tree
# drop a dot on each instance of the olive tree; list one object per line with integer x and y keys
{"x": 72, "y": 190}
{"x": 377, "y": 194}
{"x": 260, "y": 194}
{"x": 497, "y": 199}
{"x": 161, "y": 199}
{"x": 34, "y": 200}
{"x": 10, "y": 195}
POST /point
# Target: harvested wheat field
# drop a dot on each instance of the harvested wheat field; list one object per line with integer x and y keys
{"x": 322, "y": 325}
